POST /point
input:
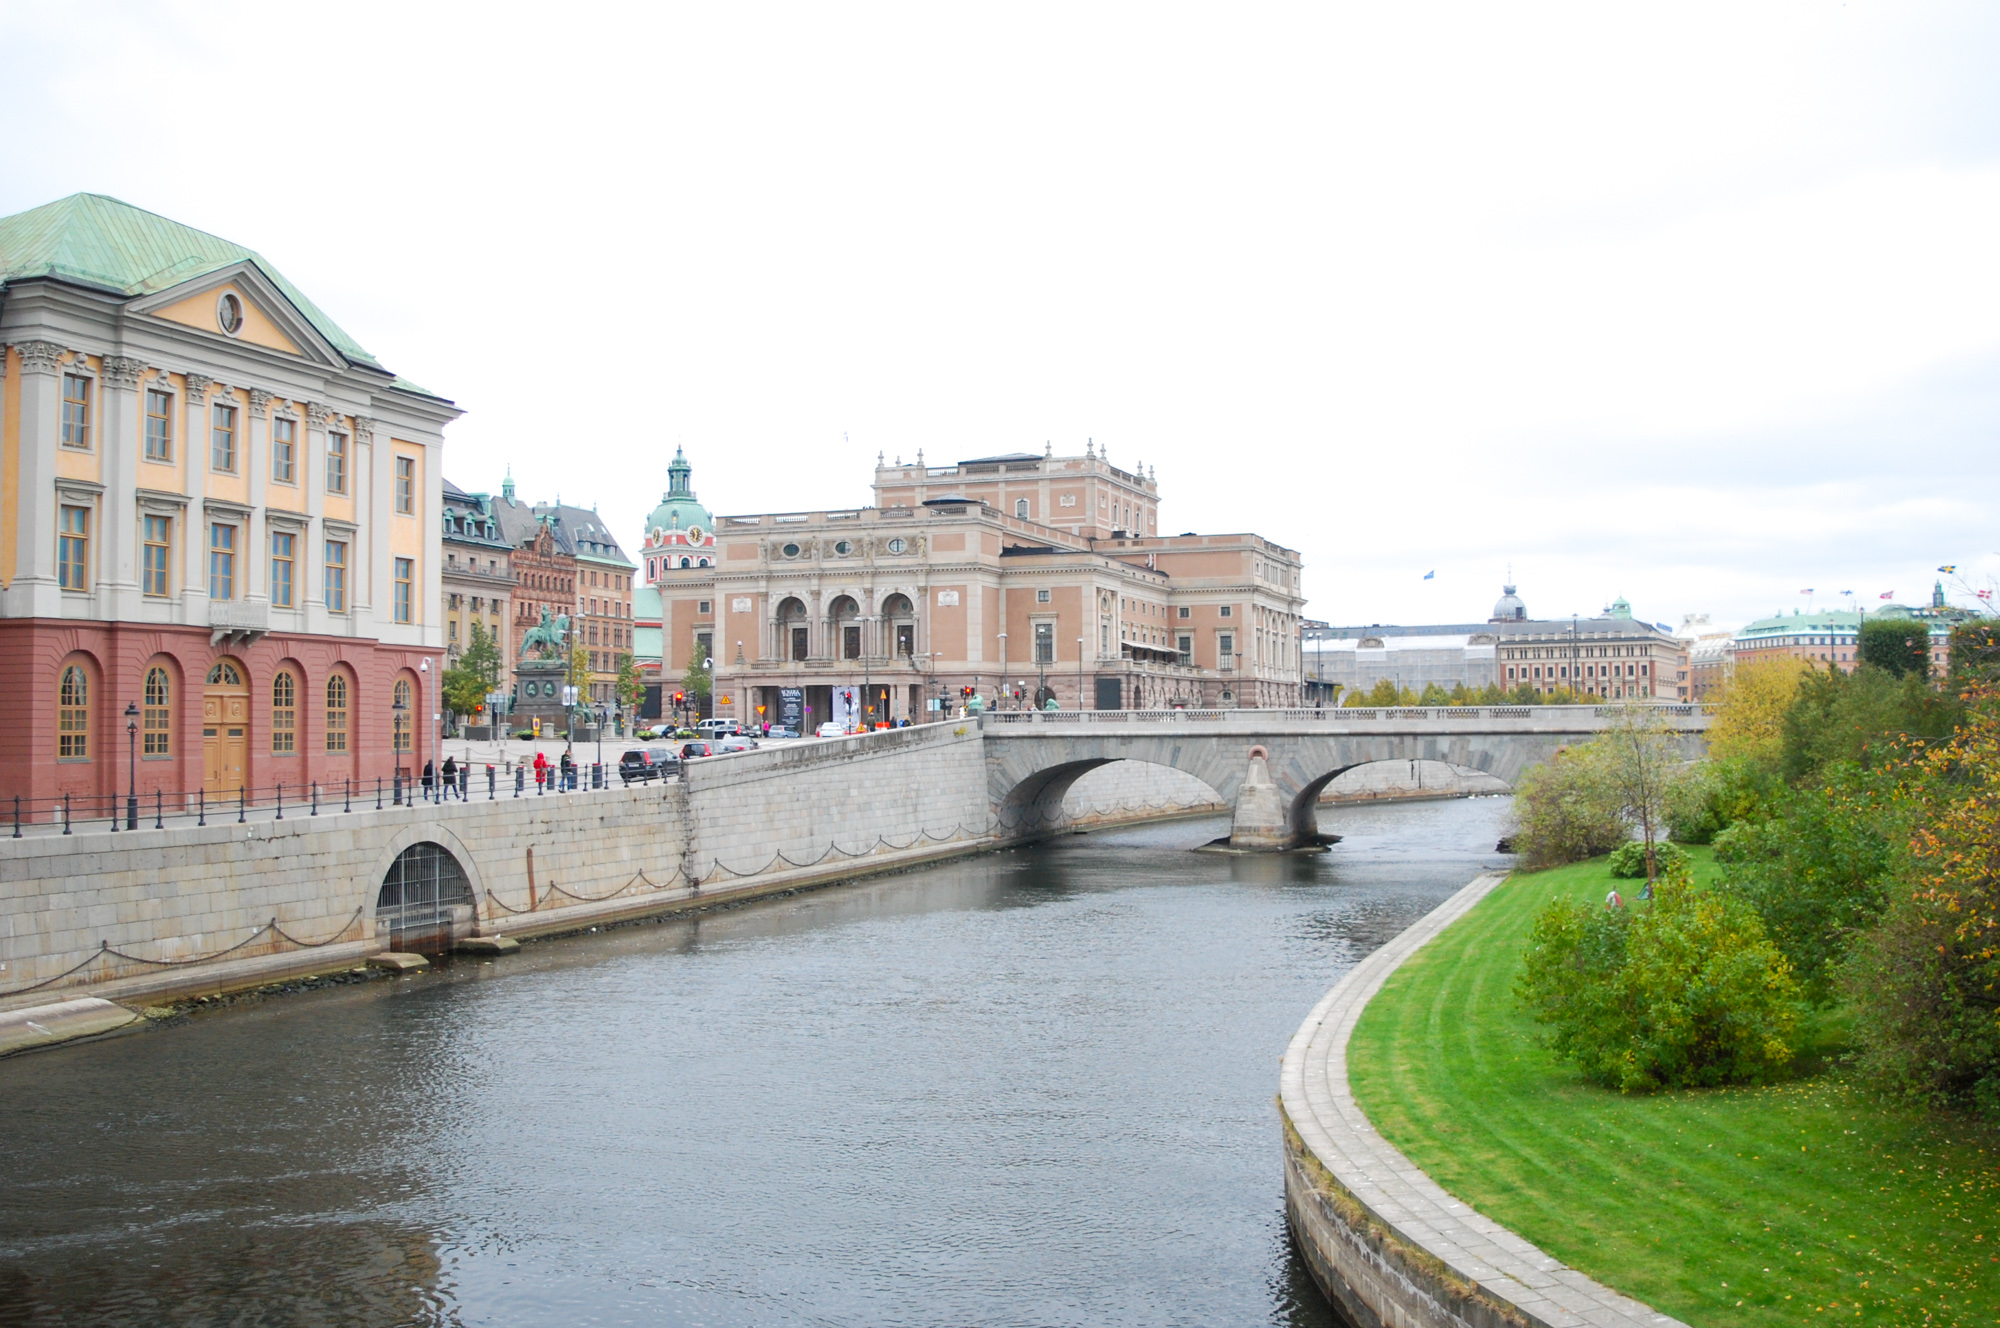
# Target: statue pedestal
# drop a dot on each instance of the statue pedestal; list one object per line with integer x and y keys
{"x": 538, "y": 692}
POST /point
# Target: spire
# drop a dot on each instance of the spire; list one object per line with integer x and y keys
{"x": 678, "y": 471}
{"x": 507, "y": 485}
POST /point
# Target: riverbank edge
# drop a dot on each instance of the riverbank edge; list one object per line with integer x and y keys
{"x": 1384, "y": 1241}
{"x": 224, "y": 977}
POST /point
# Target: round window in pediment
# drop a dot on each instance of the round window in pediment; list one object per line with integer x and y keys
{"x": 229, "y": 313}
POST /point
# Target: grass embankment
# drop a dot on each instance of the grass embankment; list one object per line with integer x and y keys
{"x": 1781, "y": 1204}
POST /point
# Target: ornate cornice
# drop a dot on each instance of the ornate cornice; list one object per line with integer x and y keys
{"x": 123, "y": 371}
{"x": 260, "y": 403}
{"x": 364, "y": 429}
{"x": 42, "y": 357}
{"x": 197, "y": 387}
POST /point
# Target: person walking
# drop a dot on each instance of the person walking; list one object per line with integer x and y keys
{"x": 430, "y": 777}
{"x": 541, "y": 769}
{"x": 450, "y": 777}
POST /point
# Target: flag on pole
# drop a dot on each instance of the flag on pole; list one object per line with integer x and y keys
{"x": 1887, "y": 594}
{"x": 1431, "y": 575}
{"x": 1807, "y": 591}
{"x": 1983, "y": 594}
{"x": 1949, "y": 569}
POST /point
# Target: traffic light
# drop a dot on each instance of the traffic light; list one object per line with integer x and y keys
{"x": 680, "y": 698}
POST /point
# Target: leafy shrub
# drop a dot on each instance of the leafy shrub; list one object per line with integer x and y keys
{"x": 1817, "y": 871}
{"x": 1714, "y": 795}
{"x": 1868, "y": 718}
{"x": 1628, "y": 860}
{"x": 1926, "y": 982}
{"x": 1685, "y": 991}
{"x": 1565, "y": 810}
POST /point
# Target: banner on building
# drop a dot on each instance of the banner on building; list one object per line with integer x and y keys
{"x": 792, "y": 708}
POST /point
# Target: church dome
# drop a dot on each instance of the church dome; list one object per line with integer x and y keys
{"x": 1509, "y": 608}
{"x": 679, "y": 513}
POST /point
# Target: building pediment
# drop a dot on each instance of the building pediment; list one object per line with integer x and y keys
{"x": 240, "y": 294}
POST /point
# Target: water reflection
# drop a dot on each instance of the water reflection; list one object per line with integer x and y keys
{"x": 1028, "y": 1088}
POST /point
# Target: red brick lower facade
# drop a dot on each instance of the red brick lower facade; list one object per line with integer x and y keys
{"x": 69, "y": 741}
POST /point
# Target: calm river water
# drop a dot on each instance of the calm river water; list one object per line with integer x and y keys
{"x": 1031, "y": 1088}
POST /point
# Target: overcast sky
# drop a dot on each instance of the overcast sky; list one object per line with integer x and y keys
{"x": 1697, "y": 305}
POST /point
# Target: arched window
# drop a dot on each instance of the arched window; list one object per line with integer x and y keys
{"x": 159, "y": 716}
{"x": 73, "y": 716}
{"x": 402, "y": 714}
{"x": 284, "y": 712}
{"x": 686, "y": 562}
{"x": 704, "y": 562}
{"x": 336, "y": 713}
{"x": 224, "y": 674}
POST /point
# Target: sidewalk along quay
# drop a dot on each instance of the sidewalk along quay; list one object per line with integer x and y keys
{"x": 1029, "y": 1086}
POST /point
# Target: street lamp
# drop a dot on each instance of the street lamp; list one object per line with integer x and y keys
{"x": 401, "y": 726}
{"x": 937, "y": 655}
{"x": 1003, "y": 662}
{"x": 1079, "y": 675}
{"x": 132, "y": 737}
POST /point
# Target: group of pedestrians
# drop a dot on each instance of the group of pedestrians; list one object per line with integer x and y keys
{"x": 452, "y": 780}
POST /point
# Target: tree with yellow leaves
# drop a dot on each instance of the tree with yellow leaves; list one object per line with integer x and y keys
{"x": 1751, "y": 724}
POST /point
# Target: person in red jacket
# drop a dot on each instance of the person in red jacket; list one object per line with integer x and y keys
{"x": 541, "y": 769}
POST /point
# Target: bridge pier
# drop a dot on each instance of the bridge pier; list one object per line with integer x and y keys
{"x": 1260, "y": 822}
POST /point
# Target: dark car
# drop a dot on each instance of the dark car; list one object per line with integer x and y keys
{"x": 638, "y": 764}
{"x": 698, "y": 748}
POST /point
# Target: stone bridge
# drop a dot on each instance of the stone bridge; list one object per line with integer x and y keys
{"x": 1271, "y": 765}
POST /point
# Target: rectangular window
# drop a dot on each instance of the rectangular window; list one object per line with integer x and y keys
{"x": 704, "y": 646}
{"x": 1045, "y": 643}
{"x": 221, "y": 562}
{"x": 284, "y": 451}
{"x": 73, "y": 549}
{"x": 405, "y": 570}
{"x": 1041, "y": 597}
{"x": 703, "y": 607}
{"x": 76, "y": 411}
{"x": 406, "y": 485}
{"x": 1186, "y": 648}
{"x": 159, "y": 425}
{"x": 336, "y": 576}
{"x": 1225, "y": 646}
{"x": 158, "y": 544}
{"x": 1184, "y": 612}
{"x": 222, "y": 438}
{"x": 282, "y": 543}
{"x": 336, "y": 463}
{"x": 1225, "y": 610}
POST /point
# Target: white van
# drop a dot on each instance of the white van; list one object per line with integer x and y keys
{"x": 717, "y": 728}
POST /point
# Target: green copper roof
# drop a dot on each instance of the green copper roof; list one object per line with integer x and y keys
{"x": 98, "y": 241}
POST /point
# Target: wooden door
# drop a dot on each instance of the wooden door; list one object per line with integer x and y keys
{"x": 225, "y": 729}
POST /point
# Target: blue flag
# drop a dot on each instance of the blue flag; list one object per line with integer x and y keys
{"x": 1431, "y": 575}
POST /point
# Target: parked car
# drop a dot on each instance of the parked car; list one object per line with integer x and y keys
{"x": 638, "y": 764}
{"x": 780, "y": 731}
{"x": 719, "y": 728}
{"x": 737, "y": 742}
{"x": 694, "y": 750}
{"x": 833, "y": 728}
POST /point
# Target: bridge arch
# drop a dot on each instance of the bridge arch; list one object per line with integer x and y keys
{"x": 1099, "y": 790}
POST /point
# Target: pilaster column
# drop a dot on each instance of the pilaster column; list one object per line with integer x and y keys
{"x": 368, "y": 560}
{"x": 194, "y": 538}
{"x": 256, "y": 558}
{"x": 312, "y": 558}
{"x": 119, "y": 443}
{"x": 34, "y": 592}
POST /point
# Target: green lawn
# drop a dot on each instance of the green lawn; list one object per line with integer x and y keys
{"x": 1807, "y": 1200}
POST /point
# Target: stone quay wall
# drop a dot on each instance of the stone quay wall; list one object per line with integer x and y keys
{"x": 1384, "y": 1241}
{"x": 1405, "y": 781}
{"x": 143, "y": 913}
